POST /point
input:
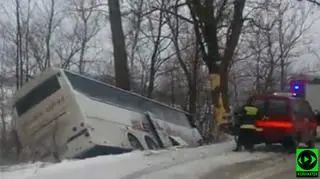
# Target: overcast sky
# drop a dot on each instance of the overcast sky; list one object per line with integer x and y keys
{"x": 308, "y": 60}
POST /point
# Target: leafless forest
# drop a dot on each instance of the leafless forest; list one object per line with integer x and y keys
{"x": 186, "y": 53}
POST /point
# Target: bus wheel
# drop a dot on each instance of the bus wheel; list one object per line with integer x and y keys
{"x": 134, "y": 142}
{"x": 151, "y": 144}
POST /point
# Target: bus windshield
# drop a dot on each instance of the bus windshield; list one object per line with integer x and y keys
{"x": 108, "y": 94}
{"x": 38, "y": 94}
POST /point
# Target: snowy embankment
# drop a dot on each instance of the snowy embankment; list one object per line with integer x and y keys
{"x": 188, "y": 163}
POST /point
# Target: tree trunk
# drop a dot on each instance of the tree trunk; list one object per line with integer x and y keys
{"x": 282, "y": 74}
{"x": 48, "y": 37}
{"x": 225, "y": 89}
{"x": 119, "y": 51}
{"x": 83, "y": 47}
{"x": 27, "y": 43}
{"x": 217, "y": 98}
{"x": 258, "y": 77}
{"x": 193, "y": 88}
{"x": 139, "y": 16}
{"x": 18, "y": 72}
{"x": 192, "y": 100}
{"x": 172, "y": 82}
{"x": 18, "y": 37}
{"x": 206, "y": 30}
{"x": 155, "y": 55}
{"x": 3, "y": 131}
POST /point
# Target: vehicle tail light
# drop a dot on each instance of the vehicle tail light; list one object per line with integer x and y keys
{"x": 275, "y": 124}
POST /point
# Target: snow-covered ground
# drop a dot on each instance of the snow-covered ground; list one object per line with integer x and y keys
{"x": 188, "y": 163}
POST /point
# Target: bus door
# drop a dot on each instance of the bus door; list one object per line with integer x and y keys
{"x": 158, "y": 130}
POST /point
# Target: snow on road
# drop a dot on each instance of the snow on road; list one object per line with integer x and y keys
{"x": 175, "y": 163}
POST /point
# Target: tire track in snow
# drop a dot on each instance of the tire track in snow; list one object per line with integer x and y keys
{"x": 176, "y": 162}
{"x": 179, "y": 159}
{"x": 249, "y": 169}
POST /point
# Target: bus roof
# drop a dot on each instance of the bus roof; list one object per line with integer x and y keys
{"x": 130, "y": 92}
{"x": 52, "y": 71}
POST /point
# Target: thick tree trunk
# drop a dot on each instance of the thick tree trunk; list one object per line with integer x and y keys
{"x": 225, "y": 89}
{"x": 119, "y": 48}
{"x": 217, "y": 99}
{"x": 206, "y": 29}
{"x": 218, "y": 106}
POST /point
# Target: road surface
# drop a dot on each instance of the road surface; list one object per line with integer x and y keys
{"x": 278, "y": 166}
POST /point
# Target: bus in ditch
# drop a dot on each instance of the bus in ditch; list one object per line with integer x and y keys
{"x": 64, "y": 114}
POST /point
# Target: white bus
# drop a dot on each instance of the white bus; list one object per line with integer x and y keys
{"x": 73, "y": 116}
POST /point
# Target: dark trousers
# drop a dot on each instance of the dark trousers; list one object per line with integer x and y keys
{"x": 246, "y": 138}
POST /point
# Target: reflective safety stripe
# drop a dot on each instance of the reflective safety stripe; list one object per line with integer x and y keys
{"x": 251, "y": 110}
{"x": 274, "y": 124}
{"x": 247, "y": 126}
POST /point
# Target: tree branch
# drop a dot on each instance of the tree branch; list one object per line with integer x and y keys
{"x": 313, "y": 1}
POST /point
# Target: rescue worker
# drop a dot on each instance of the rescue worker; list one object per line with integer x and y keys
{"x": 247, "y": 116}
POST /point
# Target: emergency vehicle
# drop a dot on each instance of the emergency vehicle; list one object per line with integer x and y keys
{"x": 308, "y": 87}
{"x": 286, "y": 119}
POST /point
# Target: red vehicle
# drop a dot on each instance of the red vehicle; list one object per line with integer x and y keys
{"x": 286, "y": 119}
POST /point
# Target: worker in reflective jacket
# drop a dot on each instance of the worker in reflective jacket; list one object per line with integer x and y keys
{"x": 247, "y": 116}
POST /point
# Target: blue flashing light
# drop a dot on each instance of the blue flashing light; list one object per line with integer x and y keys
{"x": 296, "y": 86}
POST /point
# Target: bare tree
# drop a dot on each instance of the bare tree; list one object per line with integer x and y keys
{"x": 49, "y": 34}
{"x": 134, "y": 32}
{"x": 119, "y": 47}
{"x": 316, "y": 2}
{"x": 18, "y": 65}
{"x": 277, "y": 41}
{"x": 67, "y": 48}
{"x": 26, "y": 52}
{"x": 86, "y": 27}
{"x": 19, "y": 62}
{"x": 190, "y": 66}
{"x": 208, "y": 18}
{"x": 156, "y": 41}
